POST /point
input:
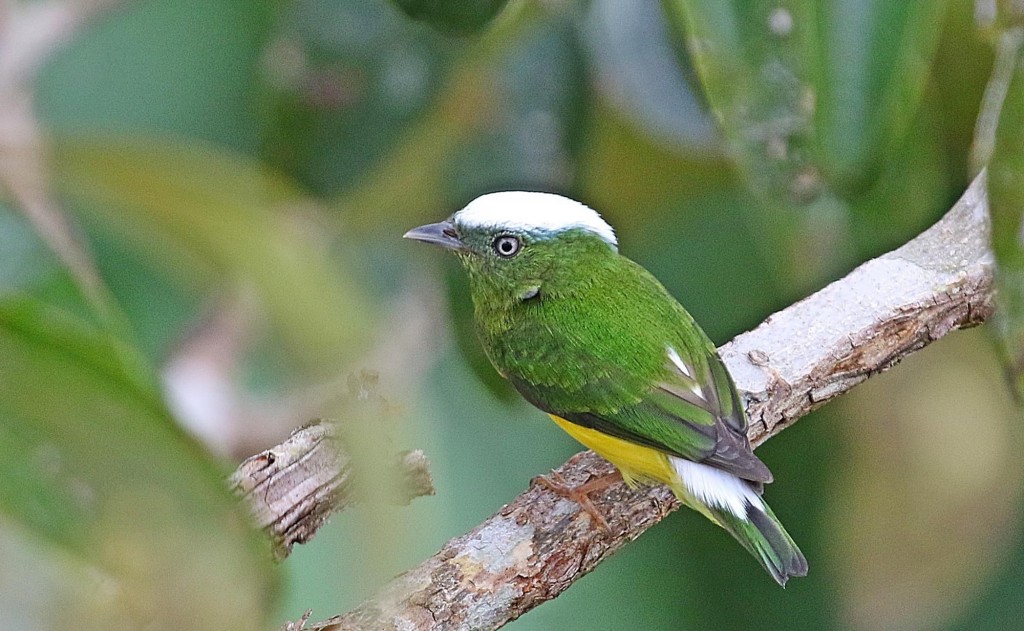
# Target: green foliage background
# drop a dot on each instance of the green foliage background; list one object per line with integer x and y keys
{"x": 747, "y": 153}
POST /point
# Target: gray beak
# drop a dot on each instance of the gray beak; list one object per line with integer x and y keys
{"x": 442, "y": 234}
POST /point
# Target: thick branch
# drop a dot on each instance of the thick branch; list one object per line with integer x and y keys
{"x": 799, "y": 358}
{"x": 889, "y": 307}
{"x": 292, "y": 489}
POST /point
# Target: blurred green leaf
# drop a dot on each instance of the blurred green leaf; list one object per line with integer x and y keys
{"x": 816, "y": 102}
{"x": 627, "y": 191}
{"x": 347, "y": 80}
{"x": 530, "y": 141}
{"x": 97, "y": 475}
{"x": 460, "y": 17}
{"x": 912, "y": 189}
{"x": 643, "y": 71}
{"x": 809, "y": 93}
{"x": 219, "y": 212}
{"x": 190, "y": 67}
{"x": 24, "y": 259}
{"x": 1006, "y": 202}
{"x": 409, "y": 185}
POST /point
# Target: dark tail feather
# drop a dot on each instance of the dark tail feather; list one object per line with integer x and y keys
{"x": 762, "y": 535}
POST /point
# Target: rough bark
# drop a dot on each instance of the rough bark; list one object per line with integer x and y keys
{"x": 292, "y": 489}
{"x": 889, "y": 307}
{"x": 536, "y": 546}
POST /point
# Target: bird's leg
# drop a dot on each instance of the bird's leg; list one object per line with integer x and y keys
{"x": 555, "y": 483}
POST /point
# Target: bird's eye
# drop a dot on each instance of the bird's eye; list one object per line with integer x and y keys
{"x": 507, "y": 246}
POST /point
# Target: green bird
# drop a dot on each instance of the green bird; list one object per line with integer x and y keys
{"x": 594, "y": 340}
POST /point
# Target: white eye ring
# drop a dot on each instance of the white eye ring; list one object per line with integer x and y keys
{"x": 506, "y": 246}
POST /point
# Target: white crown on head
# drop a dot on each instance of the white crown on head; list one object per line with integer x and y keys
{"x": 533, "y": 212}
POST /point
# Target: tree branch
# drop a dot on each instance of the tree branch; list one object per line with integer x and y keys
{"x": 292, "y": 489}
{"x": 799, "y": 358}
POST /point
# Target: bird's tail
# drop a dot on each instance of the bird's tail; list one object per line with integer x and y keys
{"x": 736, "y": 505}
{"x": 762, "y": 535}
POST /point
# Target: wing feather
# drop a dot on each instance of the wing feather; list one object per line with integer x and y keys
{"x": 694, "y": 412}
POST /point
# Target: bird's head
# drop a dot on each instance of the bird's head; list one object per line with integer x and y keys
{"x": 517, "y": 245}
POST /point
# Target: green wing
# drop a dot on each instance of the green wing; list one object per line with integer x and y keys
{"x": 693, "y": 411}
{"x": 721, "y": 403}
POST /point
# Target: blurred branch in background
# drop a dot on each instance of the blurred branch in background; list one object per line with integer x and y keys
{"x": 29, "y": 34}
{"x": 798, "y": 359}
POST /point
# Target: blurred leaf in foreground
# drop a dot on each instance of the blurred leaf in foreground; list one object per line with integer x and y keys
{"x": 130, "y": 518}
{"x": 213, "y": 211}
{"x": 29, "y": 267}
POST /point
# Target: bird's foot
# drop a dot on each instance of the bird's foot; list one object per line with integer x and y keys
{"x": 555, "y": 483}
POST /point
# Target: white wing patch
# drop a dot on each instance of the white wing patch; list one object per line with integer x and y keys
{"x": 716, "y": 488}
{"x": 533, "y": 212}
{"x": 678, "y": 362}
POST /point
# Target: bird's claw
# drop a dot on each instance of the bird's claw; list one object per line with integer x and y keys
{"x": 555, "y": 483}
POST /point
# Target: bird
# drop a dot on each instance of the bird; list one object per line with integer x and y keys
{"x": 596, "y": 341}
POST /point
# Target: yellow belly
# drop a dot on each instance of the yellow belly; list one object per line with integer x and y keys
{"x": 636, "y": 462}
